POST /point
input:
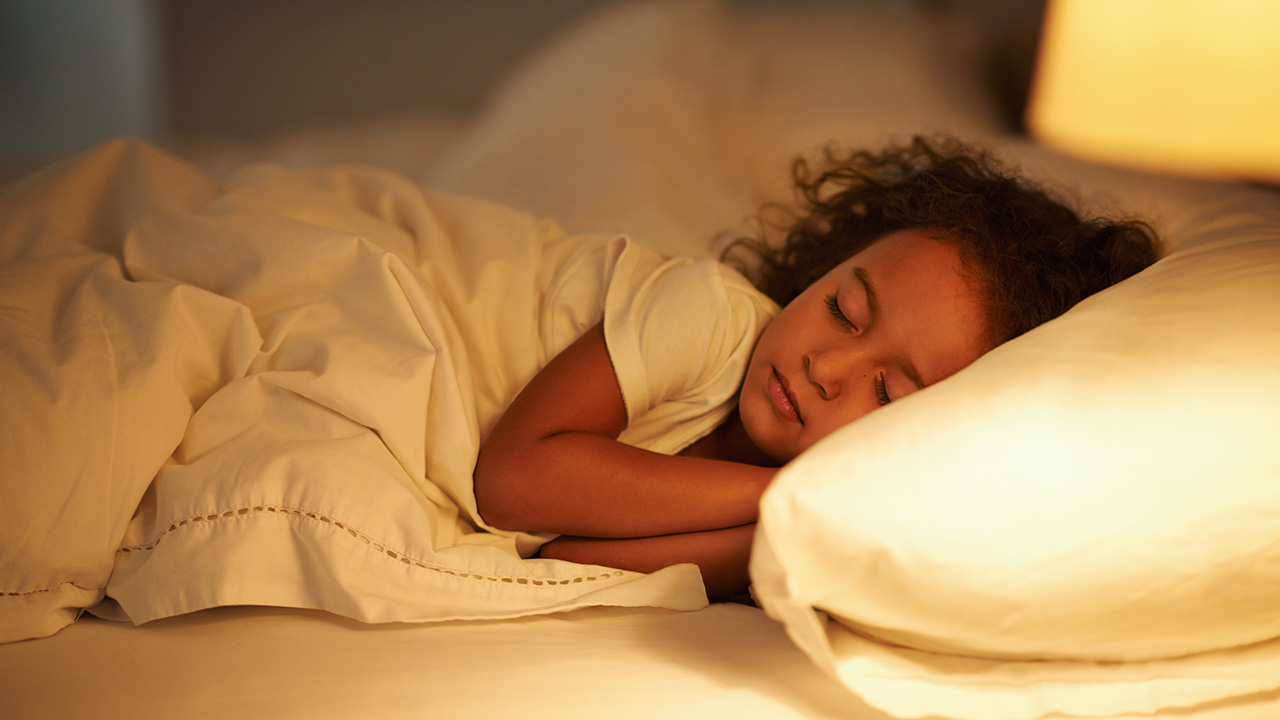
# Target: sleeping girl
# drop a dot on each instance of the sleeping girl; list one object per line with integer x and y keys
{"x": 336, "y": 389}
{"x": 902, "y": 268}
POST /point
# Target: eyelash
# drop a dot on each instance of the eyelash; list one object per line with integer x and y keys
{"x": 833, "y": 306}
{"x": 882, "y": 392}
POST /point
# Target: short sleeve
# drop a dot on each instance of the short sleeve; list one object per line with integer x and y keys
{"x": 680, "y": 339}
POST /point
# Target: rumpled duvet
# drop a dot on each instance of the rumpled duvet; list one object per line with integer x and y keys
{"x": 270, "y": 392}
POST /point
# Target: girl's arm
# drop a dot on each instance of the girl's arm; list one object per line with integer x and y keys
{"x": 721, "y": 555}
{"x": 553, "y": 463}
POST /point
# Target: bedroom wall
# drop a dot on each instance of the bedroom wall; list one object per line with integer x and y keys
{"x": 76, "y": 72}
{"x": 247, "y": 66}
{"x": 73, "y": 72}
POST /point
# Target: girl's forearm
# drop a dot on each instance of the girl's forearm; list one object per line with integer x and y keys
{"x": 582, "y": 484}
{"x": 721, "y": 555}
{"x": 552, "y": 463}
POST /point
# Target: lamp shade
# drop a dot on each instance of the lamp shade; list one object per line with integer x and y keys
{"x": 1186, "y": 86}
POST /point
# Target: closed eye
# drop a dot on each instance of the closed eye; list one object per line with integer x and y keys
{"x": 833, "y": 306}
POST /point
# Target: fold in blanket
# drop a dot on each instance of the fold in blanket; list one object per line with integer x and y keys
{"x": 271, "y": 393}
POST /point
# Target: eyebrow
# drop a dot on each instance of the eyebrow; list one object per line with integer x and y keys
{"x": 873, "y": 308}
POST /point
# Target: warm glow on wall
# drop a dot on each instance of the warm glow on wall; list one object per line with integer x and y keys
{"x": 1188, "y": 86}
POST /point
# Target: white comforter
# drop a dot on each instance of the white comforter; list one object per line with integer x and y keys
{"x": 270, "y": 393}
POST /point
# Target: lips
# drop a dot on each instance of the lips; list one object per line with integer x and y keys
{"x": 784, "y": 403}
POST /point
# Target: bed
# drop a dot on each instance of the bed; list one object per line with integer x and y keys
{"x": 1091, "y": 530}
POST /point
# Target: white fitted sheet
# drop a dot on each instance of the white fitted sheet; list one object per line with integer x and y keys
{"x": 727, "y": 661}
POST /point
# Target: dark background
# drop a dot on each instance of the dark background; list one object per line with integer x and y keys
{"x": 76, "y": 72}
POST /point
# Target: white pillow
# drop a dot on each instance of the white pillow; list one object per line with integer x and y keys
{"x": 853, "y": 75}
{"x": 623, "y": 125}
{"x": 1103, "y": 488}
{"x": 673, "y": 121}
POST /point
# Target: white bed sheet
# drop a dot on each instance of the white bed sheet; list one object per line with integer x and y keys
{"x": 726, "y": 661}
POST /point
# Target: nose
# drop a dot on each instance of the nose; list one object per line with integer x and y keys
{"x": 829, "y": 370}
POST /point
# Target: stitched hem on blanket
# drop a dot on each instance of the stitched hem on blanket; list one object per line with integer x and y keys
{"x": 43, "y": 612}
{"x": 283, "y": 556}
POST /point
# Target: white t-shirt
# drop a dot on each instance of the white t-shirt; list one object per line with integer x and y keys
{"x": 679, "y": 332}
{"x": 506, "y": 292}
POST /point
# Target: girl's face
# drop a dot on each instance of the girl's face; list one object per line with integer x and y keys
{"x": 894, "y": 318}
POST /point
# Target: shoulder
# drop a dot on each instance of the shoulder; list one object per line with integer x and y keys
{"x": 688, "y": 325}
{"x": 686, "y": 303}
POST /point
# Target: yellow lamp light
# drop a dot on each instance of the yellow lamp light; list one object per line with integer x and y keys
{"x": 1186, "y": 86}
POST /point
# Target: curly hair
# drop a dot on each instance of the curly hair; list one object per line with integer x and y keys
{"x": 1029, "y": 255}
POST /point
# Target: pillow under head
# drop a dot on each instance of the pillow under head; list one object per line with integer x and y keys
{"x": 1105, "y": 488}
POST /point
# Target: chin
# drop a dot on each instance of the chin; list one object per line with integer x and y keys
{"x": 779, "y": 451}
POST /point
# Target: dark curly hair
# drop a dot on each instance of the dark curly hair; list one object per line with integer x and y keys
{"x": 1029, "y": 255}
